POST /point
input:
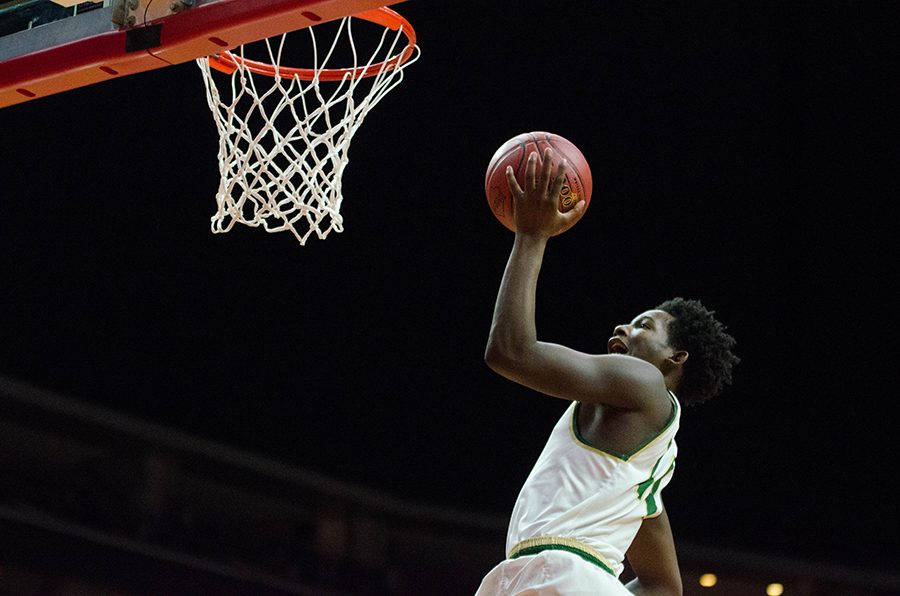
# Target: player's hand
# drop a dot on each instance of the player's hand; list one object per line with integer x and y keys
{"x": 536, "y": 207}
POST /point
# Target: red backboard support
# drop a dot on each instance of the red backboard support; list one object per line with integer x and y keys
{"x": 201, "y": 30}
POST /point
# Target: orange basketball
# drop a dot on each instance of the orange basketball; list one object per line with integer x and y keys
{"x": 515, "y": 152}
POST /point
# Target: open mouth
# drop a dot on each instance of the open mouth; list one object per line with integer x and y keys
{"x": 616, "y": 346}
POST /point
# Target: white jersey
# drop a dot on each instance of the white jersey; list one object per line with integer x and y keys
{"x": 588, "y": 502}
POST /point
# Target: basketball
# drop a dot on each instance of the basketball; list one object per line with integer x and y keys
{"x": 515, "y": 152}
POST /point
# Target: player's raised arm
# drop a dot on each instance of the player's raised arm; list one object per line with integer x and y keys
{"x": 513, "y": 349}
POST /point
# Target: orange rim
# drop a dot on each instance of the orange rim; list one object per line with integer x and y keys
{"x": 228, "y": 62}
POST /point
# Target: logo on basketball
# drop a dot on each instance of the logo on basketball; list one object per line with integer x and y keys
{"x": 567, "y": 197}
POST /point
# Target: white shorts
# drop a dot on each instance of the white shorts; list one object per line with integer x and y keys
{"x": 550, "y": 573}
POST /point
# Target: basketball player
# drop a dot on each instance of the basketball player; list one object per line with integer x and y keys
{"x": 593, "y": 497}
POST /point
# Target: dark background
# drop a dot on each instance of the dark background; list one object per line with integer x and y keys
{"x": 743, "y": 153}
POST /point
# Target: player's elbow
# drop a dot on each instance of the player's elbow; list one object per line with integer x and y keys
{"x": 495, "y": 357}
{"x": 501, "y": 356}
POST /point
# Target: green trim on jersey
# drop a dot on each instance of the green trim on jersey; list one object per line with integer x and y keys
{"x": 650, "y": 499}
{"x": 622, "y": 456}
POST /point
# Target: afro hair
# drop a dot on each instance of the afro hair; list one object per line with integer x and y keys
{"x": 695, "y": 329}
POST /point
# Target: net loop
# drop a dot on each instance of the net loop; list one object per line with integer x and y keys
{"x": 284, "y": 132}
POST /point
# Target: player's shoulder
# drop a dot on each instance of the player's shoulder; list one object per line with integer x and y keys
{"x": 636, "y": 382}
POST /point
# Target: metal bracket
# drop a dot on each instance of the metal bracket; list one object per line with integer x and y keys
{"x": 135, "y": 13}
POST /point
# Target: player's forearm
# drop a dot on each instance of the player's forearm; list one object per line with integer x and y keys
{"x": 513, "y": 329}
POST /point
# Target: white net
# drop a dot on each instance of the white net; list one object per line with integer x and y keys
{"x": 283, "y": 140}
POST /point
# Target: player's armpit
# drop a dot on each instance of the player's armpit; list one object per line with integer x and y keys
{"x": 653, "y": 558}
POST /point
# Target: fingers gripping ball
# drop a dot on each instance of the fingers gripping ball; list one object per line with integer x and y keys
{"x": 515, "y": 152}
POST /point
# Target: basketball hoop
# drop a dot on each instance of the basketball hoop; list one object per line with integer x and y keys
{"x": 284, "y": 132}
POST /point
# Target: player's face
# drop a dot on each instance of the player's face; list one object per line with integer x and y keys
{"x": 646, "y": 337}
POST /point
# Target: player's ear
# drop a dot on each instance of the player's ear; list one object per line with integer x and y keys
{"x": 678, "y": 358}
